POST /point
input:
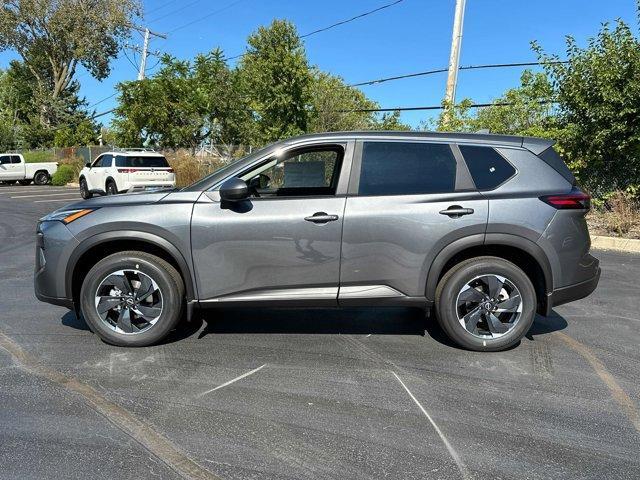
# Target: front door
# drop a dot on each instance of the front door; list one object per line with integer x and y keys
{"x": 10, "y": 168}
{"x": 283, "y": 243}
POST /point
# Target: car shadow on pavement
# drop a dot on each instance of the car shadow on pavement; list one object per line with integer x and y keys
{"x": 377, "y": 321}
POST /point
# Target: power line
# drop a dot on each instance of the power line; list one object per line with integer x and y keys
{"x": 337, "y": 24}
{"x": 103, "y": 100}
{"x": 342, "y": 22}
{"x": 442, "y": 70}
{"x": 436, "y": 107}
{"x": 209, "y": 15}
{"x": 173, "y": 12}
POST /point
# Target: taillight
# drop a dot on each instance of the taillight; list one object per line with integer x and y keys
{"x": 127, "y": 170}
{"x": 576, "y": 200}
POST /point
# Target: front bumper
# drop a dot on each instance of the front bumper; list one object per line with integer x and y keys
{"x": 571, "y": 293}
{"x": 54, "y": 244}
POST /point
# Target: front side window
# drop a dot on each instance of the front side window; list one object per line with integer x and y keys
{"x": 5, "y": 160}
{"x": 96, "y": 162}
{"x": 404, "y": 168}
{"x": 312, "y": 171}
{"x": 487, "y": 167}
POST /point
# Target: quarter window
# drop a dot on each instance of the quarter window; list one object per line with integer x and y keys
{"x": 487, "y": 167}
{"x": 404, "y": 168}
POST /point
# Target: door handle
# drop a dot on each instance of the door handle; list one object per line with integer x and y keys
{"x": 456, "y": 211}
{"x": 321, "y": 217}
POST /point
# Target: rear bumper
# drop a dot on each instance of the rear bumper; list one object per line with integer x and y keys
{"x": 574, "y": 292}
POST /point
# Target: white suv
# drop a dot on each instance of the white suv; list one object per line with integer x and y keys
{"x": 125, "y": 171}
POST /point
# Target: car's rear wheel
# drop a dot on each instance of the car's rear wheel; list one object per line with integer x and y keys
{"x": 84, "y": 189}
{"x": 132, "y": 298}
{"x": 111, "y": 188}
{"x": 24, "y": 182}
{"x": 41, "y": 178}
{"x": 485, "y": 304}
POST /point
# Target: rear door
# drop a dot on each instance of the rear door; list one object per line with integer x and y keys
{"x": 407, "y": 200}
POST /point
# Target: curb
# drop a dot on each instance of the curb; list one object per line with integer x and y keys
{"x": 620, "y": 244}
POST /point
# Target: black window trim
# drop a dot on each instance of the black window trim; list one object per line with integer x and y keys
{"x": 344, "y": 169}
{"x": 463, "y": 182}
{"x": 495, "y": 149}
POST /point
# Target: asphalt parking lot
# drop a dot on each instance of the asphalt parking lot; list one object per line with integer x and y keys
{"x": 357, "y": 393}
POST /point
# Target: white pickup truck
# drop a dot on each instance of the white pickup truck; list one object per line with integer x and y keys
{"x": 14, "y": 169}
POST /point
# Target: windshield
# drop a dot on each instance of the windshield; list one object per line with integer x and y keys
{"x": 222, "y": 172}
{"x": 142, "y": 162}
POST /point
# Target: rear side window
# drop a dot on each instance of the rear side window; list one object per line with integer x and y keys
{"x": 142, "y": 162}
{"x": 487, "y": 167}
{"x": 402, "y": 168}
{"x": 15, "y": 159}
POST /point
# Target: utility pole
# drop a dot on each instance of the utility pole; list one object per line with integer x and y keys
{"x": 145, "y": 48}
{"x": 454, "y": 59}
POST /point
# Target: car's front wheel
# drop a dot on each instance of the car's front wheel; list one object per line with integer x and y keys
{"x": 132, "y": 298}
{"x": 485, "y": 304}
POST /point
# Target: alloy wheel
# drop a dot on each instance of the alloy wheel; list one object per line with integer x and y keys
{"x": 128, "y": 301}
{"x": 489, "y": 306}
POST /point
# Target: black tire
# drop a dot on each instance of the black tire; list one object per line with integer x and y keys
{"x": 84, "y": 189}
{"x": 41, "y": 178}
{"x": 24, "y": 183}
{"x": 454, "y": 281}
{"x": 161, "y": 272}
{"x": 111, "y": 188}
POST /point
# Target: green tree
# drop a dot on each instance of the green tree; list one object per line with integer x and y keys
{"x": 524, "y": 110}
{"x": 65, "y": 34}
{"x": 276, "y": 78}
{"x": 184, "y": 104}
{"x": 598, "y": 91}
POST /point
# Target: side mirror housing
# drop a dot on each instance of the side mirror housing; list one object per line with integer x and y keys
{"x": 88, "y": 164}
{"x": 234, "y": 190}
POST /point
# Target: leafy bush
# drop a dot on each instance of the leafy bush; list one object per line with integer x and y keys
{"x": 65, "y": 174}
{"x": 189, "y": 169}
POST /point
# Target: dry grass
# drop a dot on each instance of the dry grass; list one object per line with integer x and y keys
{"x": 618, "y": 217}
{"x": 190, "y": 169}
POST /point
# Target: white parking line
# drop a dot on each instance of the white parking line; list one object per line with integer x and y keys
{"x": 43, "y": 195}
{"x": 234, "y": 380}
{"x": 58, "y": 200}
{"x": 452, "y": 451}
{"x": 29, "y": 190}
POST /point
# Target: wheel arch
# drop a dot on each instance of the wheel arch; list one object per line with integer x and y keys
{"x": 522, "y": 252}
{"x": 100, "y": 246}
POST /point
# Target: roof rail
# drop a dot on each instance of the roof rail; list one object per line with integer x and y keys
{"x": 122, "y": 149}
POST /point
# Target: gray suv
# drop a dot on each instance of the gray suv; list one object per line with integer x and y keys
{"x": 484, "y": 231}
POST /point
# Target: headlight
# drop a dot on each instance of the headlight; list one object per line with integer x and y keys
{"x": 67, "y": 216}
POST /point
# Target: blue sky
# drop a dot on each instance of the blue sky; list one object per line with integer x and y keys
{"x": 412, "y": 36}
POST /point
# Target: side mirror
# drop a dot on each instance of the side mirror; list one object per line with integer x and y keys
{"x": 88, "y": 164}
{"x": 234, "y": 190}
